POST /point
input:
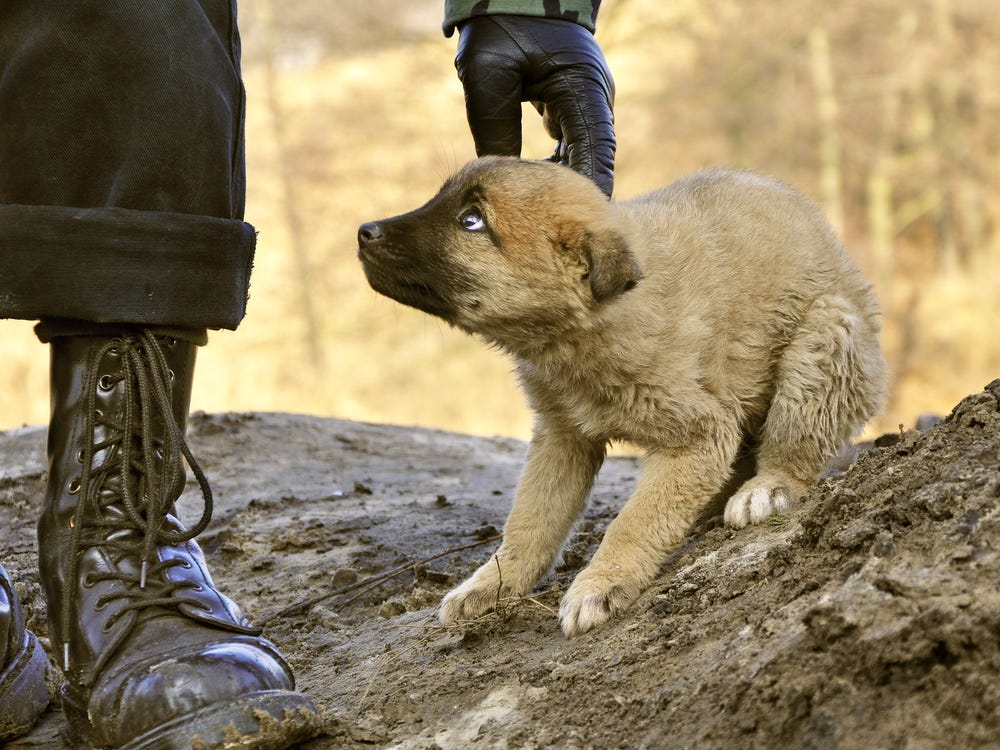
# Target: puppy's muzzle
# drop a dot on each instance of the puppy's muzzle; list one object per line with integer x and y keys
{"x": 369, "y": 233}
{"x": 400, "y": 271}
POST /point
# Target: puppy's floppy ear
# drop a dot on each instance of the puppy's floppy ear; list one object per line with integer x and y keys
{"x": 613, "y": 268}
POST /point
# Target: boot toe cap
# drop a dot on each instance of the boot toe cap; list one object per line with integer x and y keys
{"x": 211, "y": 691}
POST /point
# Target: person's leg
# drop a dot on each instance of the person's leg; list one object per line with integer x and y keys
{"x": 121, "y": 203}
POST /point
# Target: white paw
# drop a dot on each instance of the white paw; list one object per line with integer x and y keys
{"x": 592, "y": 600}
{"x": 754, "y": 504}
{"x": 578, "y": 614}
{"x": 474, "y": 598}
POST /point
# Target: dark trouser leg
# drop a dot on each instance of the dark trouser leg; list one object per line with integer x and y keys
{"x": 121, "y": 202}
{"x": 121, "y": 163}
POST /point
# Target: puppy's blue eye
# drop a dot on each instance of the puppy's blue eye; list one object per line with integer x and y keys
{"x": 472, "y": 221}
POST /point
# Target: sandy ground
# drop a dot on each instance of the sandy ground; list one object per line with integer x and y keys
{"x": 868, "y": 617}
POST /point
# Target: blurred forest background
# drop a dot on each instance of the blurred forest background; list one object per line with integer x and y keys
{"x": 884, "y": 111}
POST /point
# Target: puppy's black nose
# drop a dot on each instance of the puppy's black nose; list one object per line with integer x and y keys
{"x": 369, "y": 232}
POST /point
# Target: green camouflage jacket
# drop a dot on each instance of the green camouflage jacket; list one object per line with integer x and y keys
{"x": 583, "y": 12}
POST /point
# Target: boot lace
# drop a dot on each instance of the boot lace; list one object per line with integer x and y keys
{"x": 135, "y": 486}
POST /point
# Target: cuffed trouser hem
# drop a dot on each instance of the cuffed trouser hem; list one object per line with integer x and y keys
{"x": 115, "y": 265}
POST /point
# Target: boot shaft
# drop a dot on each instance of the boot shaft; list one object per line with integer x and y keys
{"x": 104, "y": 361}
{"x": 105, "y": 418}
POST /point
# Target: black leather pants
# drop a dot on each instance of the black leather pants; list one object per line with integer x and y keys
{"x": 122, "y": 176}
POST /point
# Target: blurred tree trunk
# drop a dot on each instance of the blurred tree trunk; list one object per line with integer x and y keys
{"x": 831, "y": 180}
{"x": 882, "y": 220}
{"x": 289, "y": 194}
{"x": 959, "y": 217}
{"x": 941, "y": 101}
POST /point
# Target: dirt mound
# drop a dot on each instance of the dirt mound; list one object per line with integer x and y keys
{"x": 867, "y": 617}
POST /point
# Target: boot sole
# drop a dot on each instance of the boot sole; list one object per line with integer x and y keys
{"x": 23, "y": 694}
{"x": 268, "y": 720}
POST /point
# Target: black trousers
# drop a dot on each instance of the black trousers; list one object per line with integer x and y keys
{"x": 122, "y": 171}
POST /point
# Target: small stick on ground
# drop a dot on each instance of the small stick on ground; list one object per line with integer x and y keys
{"x": 372, "y": 582}
{"x": 500, "y": 584}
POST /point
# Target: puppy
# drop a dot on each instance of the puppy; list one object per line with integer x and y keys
{"x": 715, "y": 313}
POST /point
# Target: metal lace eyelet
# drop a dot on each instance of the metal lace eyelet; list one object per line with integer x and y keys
{"x": 106, "y": 382}
{"x": 72, "y": 521}
{"x": 73, "y": 487}
{"x": 170, "y": 376}
{"x": 169, "y": 341}
{"x": 81, "y": 455}
{"x": 184, "y": 563}
{"x": 88, "y": 581}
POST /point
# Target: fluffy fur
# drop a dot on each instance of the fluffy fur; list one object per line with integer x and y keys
{"x": 718, "y": 312}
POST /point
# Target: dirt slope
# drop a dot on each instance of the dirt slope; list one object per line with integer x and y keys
{"x": 869, "y": 617}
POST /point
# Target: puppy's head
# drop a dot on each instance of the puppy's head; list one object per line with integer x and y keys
{"x": 516, "y": 251}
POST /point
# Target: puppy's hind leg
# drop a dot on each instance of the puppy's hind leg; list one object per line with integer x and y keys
{"x": 830, "y": 380}
{"x": 674, "y": 485}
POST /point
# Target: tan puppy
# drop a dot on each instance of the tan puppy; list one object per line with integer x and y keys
{"x": 718, "y": 311}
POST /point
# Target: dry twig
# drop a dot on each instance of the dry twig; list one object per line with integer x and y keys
{"x": 372, "y": 582}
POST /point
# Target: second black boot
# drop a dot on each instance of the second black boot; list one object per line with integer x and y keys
{"x": 155, "y": 657}
{"x": 23, "y": 665}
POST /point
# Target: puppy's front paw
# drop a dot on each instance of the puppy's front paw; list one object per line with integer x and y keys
{"x": 755, "y": 501}
{"x": 473, "y": 598}
{"x": 593, "y": 599}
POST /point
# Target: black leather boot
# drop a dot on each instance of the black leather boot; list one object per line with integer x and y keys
{"x": 155, "y": 657}
{"x": 22, "y": 668}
